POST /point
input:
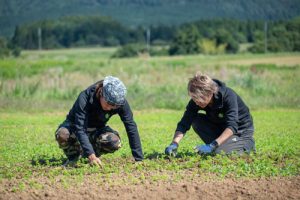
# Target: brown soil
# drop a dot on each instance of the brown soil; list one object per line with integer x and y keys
{"x": 260, "y": 188}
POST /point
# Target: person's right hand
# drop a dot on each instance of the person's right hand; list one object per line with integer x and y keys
{"x": 94, "y": 160}
{"x": 171, "y": 150}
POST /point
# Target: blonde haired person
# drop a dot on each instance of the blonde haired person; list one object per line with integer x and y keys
{"x": 224, "y": 123}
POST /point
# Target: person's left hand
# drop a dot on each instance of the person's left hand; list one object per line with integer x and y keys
{"x": 204, "y": 149}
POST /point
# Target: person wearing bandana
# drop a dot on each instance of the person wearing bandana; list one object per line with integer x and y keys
{"x": 85, "y": 133}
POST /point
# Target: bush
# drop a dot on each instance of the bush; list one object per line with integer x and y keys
{"x": 186, "y": 41}
{"x": 129, "y": 50}
{"x": 159, "y": 52}
{"x": 134, "y": 50}
{"x": 16, "y": 52}
{"x": 4, "y": 52}
{"x": 210, "y": 47}
{"x": 224, "y": 37}
{"x": 6, "y": 49}
{"x": 258, "y": 47}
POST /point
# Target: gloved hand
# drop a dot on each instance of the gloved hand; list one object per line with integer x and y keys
{"x": 206, "y": 149}
{"x": 171, "y": 150}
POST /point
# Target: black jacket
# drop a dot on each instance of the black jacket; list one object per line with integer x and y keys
{"x": 88, "y": 113}
{"x": 227, "y": 110}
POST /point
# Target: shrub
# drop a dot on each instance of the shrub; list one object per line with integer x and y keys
{"x": 7, "y": 49}
{"x": 186, "y": 42}
{"x": 210, "y": 47}
{"x": 129, "y": 50}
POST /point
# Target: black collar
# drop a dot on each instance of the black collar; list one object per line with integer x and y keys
{"x": 217, "y": 101}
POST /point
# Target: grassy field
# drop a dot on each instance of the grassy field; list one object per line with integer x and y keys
{"x": 28, "y": 150}
{"x": 54, "y": 78}
{"x": 37, "y": 89}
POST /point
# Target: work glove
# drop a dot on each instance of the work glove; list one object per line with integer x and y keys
{"x": 171, "y": 150}
{"x": 206, "y": 149}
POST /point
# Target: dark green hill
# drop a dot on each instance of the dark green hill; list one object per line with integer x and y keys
{"x": 144, "y": 12}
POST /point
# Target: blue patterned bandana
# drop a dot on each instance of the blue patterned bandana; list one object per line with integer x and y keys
{"x": 114, "y": 91}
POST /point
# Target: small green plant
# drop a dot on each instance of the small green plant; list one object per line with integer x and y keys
{"x": 277, "y": 144}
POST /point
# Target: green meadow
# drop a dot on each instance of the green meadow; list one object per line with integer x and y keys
{"x": 38, "y": 88}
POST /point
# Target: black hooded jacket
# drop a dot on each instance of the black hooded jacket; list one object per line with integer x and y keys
{"x": 88, "y": 113}
{"x": 227, "y": 110}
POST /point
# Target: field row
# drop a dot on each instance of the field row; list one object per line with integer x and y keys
{"x": 28, "y": 149}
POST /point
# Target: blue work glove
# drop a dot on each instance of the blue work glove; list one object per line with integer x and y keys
{"x": 171, "y": 150}
{"x": 206, "y": 149}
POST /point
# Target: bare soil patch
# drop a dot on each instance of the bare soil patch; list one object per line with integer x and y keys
{"x": 244, "y": 188}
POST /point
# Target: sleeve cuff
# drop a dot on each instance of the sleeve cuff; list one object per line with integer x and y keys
{"x": 180, "y": 130}
{"x": 88, "y": 153}
{"x": 234, "y": 131}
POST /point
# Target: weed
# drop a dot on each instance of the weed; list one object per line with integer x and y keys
{"x": 276, "y": 137}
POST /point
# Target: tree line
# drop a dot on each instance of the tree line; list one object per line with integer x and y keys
{"x": 225, "y": 36}
{"x": 204, "y": 36}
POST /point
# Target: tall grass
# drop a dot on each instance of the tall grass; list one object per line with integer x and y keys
{"x": 151, "y": 82}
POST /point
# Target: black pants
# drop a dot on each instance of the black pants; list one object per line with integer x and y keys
{"x": 240, "y": 142}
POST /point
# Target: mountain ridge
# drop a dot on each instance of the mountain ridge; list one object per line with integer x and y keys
{"x": 144, "y": 12}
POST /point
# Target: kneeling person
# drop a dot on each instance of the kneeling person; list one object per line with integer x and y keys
{"x": 85, "y": 133}
{"x": 218, "y": 115}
